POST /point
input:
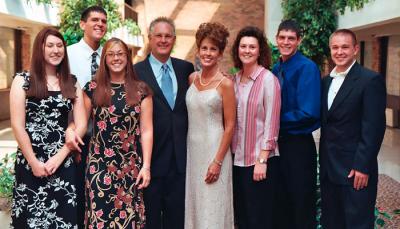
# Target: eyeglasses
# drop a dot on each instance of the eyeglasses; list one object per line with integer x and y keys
{"x": 119, "y": 55}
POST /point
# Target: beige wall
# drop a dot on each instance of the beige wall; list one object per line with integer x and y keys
{"x": 393, "y": 66}
{"x": 189, "y": 14}
{"x": 7, "y": 57}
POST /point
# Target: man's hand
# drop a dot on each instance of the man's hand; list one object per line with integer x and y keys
{"x": 360, "y": 179}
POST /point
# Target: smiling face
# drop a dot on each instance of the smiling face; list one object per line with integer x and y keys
{"x": 248, "y": 50}
{"x": 53, "y": 50}
{"x": 95, "y": 27}
{"x": 116, "y": 59}
{"x": 209, "y": 53}
{"x": 287, "y": 42}
{"x": 343, "y": 51}
{"x": 162, "y": 40}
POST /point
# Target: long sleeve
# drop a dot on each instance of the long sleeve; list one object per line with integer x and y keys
{"x": 272, "y": 106}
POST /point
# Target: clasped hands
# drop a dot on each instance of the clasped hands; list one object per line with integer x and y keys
{"x": 44, "y": 169}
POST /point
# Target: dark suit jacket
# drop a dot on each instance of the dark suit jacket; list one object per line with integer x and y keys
{"x": 352, "y": 129}
{"x": 170, "y": 126}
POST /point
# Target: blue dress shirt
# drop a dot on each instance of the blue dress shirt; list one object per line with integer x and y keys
{"x": 301, "y": 94}
{"x": 157, "y": 70}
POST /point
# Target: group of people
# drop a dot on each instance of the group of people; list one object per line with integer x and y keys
{"x": 168, "y": 147}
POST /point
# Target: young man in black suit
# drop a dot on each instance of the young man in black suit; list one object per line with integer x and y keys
{"x": 353, "y": 126}
{"x": 168, "y": 78}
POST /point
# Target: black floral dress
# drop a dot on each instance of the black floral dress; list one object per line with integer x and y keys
{"x": 44, "y": 202}
{"x": 113, "y": 164}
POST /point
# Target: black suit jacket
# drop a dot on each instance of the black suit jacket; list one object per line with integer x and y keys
{"x": 352, "y": 129}
{"x": 170, "y": 126}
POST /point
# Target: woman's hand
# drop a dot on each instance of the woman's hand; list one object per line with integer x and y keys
{"x": 213, "y": 172}
{"x": 72, "y": 140}
{"x": 260, "y": 171}
{"x": 38, "y": 169}
{"x": 53, "y": 163}
{"x": 144, "y": 175}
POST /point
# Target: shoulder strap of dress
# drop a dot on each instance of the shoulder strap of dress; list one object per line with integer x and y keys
{"x": 223, "y": 77}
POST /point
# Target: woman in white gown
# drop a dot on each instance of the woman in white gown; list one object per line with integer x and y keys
{"x": 211, "y": 108}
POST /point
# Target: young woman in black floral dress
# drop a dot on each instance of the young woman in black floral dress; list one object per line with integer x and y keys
{"x": 118, "y": 165}
{"x": 44, "y": 191}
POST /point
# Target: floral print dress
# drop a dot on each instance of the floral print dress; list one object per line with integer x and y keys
{"x": 112, "y": 198}
{"x": 48, "y": 202}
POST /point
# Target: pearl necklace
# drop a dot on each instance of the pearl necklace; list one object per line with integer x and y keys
{"x": 212, "y": 78}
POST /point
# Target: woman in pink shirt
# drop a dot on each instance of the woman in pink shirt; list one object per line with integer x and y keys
{"x": 257, "y": 125}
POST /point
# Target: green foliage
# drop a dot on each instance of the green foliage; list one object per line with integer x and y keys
{"x": 274, "y": 53}
{"x": 132, "y": 26}
{"x": 71, "y": 14}
{"x": 7, "y": 175}
{"x": 41, "y": 1}
{"x": 318, "y": 19}
{"x": 353, "y": 4}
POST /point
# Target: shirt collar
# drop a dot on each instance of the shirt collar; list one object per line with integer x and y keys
{"x": 88, "y": 50}
{"x": 253, "y": 75}
{"x": 292, "y": 58}
{"x": 158, "y": 64}
{"x": 334, "y": 73}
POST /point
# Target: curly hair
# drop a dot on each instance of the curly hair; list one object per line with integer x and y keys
{"x": 264, "y": 58}
{"x": 214, "y": 31}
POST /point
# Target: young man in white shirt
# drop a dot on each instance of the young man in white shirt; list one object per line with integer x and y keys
{"x": 84, "y": 59}
{"x": 352, "y": 129}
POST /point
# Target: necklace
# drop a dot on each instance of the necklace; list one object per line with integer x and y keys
{"x": 212, "y": 78}
{"x": 53, "y": 86}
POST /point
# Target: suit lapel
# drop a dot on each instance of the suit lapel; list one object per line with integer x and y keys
{"x": 325, "y": 88}
{"x": 180, "y": 79}
{"x": 347, "y": 86}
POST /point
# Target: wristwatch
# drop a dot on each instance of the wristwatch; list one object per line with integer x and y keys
{"x": 262, "y": 160}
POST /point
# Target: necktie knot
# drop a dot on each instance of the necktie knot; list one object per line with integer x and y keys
{"x": 94, "y": 66}
{"x": 165, "y": 68}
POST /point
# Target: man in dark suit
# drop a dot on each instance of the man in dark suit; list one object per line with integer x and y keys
{"x": 353, "y": 125}
{"x": 168, "y": 77}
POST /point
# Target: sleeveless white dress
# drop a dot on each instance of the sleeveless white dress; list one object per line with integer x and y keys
{"x": 207, "y": 206}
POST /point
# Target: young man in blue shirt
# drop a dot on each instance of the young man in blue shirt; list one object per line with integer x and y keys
{"x": 299, "y": 78}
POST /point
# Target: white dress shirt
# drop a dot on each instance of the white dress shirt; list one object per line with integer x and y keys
{"x": 80, "y": 60}
{"x": 337, "y": 81}
{"x": 156, "y": 66}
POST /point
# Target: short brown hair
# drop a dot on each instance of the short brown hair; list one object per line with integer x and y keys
{"x": 37, "y": 81}
{"x": 264, "y": 59}
{"x": 344, "y": 32}
{"x": 214, "y": 31}
{"x": 86, "y": 13}
{"x": 162, "y": 19}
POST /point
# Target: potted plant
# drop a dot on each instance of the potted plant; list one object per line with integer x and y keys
{"x": 6, "y": 181}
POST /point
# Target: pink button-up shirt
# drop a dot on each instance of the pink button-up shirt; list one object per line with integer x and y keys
{"x": 267, "y": 112}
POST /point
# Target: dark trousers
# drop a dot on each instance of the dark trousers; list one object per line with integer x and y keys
{"x": 253, "y": 200}
{"x": 346, "y": 208}
{"x": 164, "y": 201}
{"x": 80, "y": 182}
{"x": 296, "y": 196}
